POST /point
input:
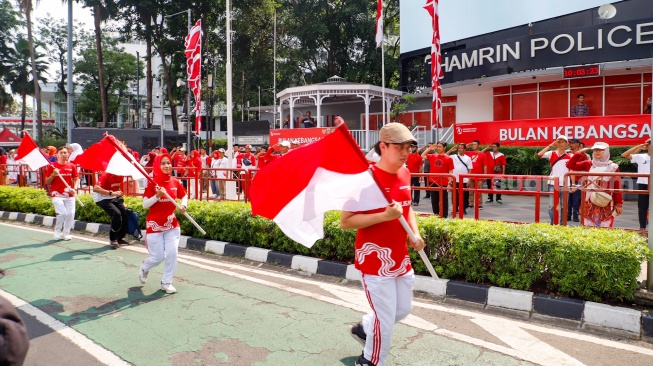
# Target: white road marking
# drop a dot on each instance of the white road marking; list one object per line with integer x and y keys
{"x": 526, "y": 343}
{"x": 100, "y": 353}
{"x": 355, "y": 300}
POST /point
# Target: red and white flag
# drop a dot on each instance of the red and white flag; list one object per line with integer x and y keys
{"x": 330, "y": 174}
{"x": 29, "y": 153}
{"x": 379, "y": 23}
{"x": 103, "y": 156}
{"x": 194, "y": 69}
{"x": 436, "y": 62}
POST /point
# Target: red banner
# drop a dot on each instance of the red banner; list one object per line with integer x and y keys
{"x": 615, "y": 130}
{"x": 302, "y": 135}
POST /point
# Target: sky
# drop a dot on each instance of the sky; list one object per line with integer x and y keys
{"x": 467, "y": 18}
{"x": 59, "y": 10}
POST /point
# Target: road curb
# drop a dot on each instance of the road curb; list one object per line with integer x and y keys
{"x": 584, "y": 314}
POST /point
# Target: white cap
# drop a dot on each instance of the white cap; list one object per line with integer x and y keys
{"x": 564, "y": 137}
{"x": 600, "y": 146}
{"x": 285, "y": 143}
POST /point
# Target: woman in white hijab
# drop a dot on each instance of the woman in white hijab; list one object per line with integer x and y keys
{"x": 600, "y": 207}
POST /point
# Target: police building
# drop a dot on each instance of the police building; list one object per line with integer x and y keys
{"x": 519, "y": 86}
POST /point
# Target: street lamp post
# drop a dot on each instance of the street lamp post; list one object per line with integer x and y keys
{"x": 138, "y": 90}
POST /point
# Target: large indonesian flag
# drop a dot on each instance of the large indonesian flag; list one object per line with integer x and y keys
{"x": 103, "y": 156}
{"x": 30, "y": 154}
{"x": 436, "y": 62}
{"x": 297, "y": 189}
{"x": 379, "y": 23}
{"x": 194, "y": 69}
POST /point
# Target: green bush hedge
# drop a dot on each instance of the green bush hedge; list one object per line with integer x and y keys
{"x": 592, "y": 264}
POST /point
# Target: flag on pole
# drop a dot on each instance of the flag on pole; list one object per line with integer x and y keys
{"x": 330, "y": 174}
{"x": 194, "y": 69}
{"x": 29, "y": 153}
{"x": 103, "y": 156}
{"x": 379, "y": 23}
{"x": 436, "y": 62}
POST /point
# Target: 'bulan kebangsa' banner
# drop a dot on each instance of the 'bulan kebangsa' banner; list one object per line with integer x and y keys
{"x": 615, "y": 130}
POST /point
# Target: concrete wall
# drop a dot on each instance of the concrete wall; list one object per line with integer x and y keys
{"x": 474, "y": 107}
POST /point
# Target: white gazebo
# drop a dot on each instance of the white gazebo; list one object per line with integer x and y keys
{"x": 334, "y": 91}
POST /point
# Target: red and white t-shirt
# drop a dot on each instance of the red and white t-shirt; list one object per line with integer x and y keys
{"x": 381, "y": 249}
{"x": 161, "y": 216}
{"x": 68, "y": 171}
{"x": 440, "y": 164}
{"x": 109, "y": 182}
{"x": 558, "y": 165}
{"x": 495, "y": 160}
{"x": 478, "y": 161}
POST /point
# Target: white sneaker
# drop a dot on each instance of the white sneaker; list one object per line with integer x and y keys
{"x": 67, "y": 237}
{"x": 57, "y": 235}
{"x": 142, "y": 275}
{"x": 168, "y": 288}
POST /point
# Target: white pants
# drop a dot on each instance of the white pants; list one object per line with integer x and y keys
{"x": 162, "y": 246}
{"x": 391, "y": 300}
{"x": 64, "y": 208}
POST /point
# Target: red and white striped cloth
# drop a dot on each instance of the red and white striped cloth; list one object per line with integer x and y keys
{"x": 436, "y": 62}
{"x": 379, "y": 23}
{"x": 194, "y": 69}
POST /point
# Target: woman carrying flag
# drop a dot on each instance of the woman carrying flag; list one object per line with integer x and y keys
{"x": 63, "y": 197}
{"x": 162, "y": 229}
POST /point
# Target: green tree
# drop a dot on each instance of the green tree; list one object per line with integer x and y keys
{"x": 54, "y": 35}
{"x": 119, "y": 72}
{"x": 19, "y": 77}
{"x": 9, "y": 24}
{"x": 26, "y": 7}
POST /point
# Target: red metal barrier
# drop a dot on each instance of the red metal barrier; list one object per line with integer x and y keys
{"x": 520, "y": 190}
{"x": 241, "y": 176}
{"x": 452, "y": 187}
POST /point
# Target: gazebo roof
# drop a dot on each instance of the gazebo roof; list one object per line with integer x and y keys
{"x": 335, "y": 86}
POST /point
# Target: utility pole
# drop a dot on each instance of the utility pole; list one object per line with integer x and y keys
{"x": 138, "y": 90}
{"x": 242, "y": 98}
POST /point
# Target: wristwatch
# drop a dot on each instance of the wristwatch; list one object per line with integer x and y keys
{"x": 110, "y": 193}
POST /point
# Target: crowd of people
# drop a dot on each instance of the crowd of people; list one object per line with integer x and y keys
{"x": 602, "y": 201}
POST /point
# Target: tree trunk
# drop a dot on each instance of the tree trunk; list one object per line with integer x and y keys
{"x": 22, "y": 117}
{"x": 98, "y": 45}
{"x": 37, "y": 89}
{"x": 173, "y": 106}
{"x": 149, "y": 83}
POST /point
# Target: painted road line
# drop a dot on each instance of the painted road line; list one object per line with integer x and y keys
{"x": 100, "y": 353}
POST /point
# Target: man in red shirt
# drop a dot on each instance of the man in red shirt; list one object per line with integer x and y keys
{"x": 479, "y": 166}
{"x": 381, "y": 252}
{"x": 442, "y": 164}
{"x": 496, "y": 164}
{"x": 284, "y": 147}
{"x": 415, "y": 164}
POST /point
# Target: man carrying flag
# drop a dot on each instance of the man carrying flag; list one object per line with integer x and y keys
{"x": 381, "y": 250}
{"x": 332, "y": 174}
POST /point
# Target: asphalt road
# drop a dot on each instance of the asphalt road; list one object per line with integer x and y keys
{"x": 92, "y": 309}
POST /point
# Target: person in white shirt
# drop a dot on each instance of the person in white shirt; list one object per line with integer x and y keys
{"x": 462, "y": 164}
{"x": 219, "y": 162}
{"x": 558, "y": 159}
{"x": 643, "y": 162}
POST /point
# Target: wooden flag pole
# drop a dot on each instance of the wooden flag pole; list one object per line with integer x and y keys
{"x": 120, "y": 148}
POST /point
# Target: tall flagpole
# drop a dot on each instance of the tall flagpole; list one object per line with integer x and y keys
{"x": 230, "y": 119}
{"x": 383, "y": 80}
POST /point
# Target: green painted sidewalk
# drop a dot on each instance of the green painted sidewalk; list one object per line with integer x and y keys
{"x": 213, "y": 319}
